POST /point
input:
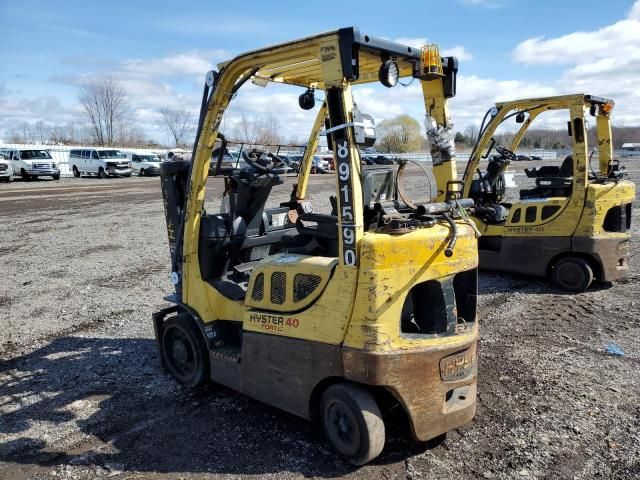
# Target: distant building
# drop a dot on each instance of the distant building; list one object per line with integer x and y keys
{"x": 631, "y": 147}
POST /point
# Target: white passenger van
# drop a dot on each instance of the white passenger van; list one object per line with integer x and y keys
{"x": 99, "y": 161}
{"x": 6, "y": 169}
{"x": 144, "y": 163}
{"x": 32, "y": 162}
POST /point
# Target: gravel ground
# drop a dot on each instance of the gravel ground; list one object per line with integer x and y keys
{"x": 82, "y": 396}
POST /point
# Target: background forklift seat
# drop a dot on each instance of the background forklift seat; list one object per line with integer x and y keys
{"x": 551, "y": 181}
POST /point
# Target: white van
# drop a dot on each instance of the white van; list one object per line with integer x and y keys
{"x": 32, "y": 162}
{"x": 6, "y": 169}
{"x": 144, "y": 163}
{"x": 99, "y": 161}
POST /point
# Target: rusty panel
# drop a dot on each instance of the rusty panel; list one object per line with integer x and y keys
{"x": 283, "y": 371}
{"x": 433, "y": 405}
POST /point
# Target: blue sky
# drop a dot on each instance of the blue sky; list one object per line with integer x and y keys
{"x": 507, "y": 48}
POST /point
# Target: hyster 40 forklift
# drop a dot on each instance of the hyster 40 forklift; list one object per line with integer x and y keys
{"x": 344, "y": 317}
{"x": 573, "y": 225}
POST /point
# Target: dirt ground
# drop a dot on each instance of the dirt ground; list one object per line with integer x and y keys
{"x": 84, "y": 263}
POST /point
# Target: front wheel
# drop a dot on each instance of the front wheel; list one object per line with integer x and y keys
{"x": 76, "y": 172}
{"x": 184, "y": 352}
{"x": 25, "y": 176}
{"x": 101, "y": 173}
{"x": 141, "y": 172}
{"x": 352, "y": 422}
{"x": 572, "y": 273}
{"x": 56, "y": 177}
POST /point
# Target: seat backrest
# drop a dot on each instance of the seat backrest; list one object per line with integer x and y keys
{"x": 566, "y": 169}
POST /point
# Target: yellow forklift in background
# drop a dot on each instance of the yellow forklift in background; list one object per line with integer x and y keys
{"x": 573, "y": 225}
{"x": 340, "y": 317}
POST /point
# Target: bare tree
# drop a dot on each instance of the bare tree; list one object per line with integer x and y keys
{"x": 63, "y": 134}
{"x": 180, "y": 124}
{"x": 269, "y": 131}
{"x": 22, "y": 134}
{"x": 246, "y": 130}
{"x": 104, "y": 101}
{"x": 262, "y": 130}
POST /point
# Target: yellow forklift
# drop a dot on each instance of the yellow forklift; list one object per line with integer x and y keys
{"x": 342, "y": 317}
{"x": 573, "y": 225}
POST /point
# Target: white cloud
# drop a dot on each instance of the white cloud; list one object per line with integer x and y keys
{"x": 602, "y": 62}
{"x": 193, "y": 62}
{"x": 418, "y": 42}
{"x": 457, "y": 51}
{"x": 617, "y": 40}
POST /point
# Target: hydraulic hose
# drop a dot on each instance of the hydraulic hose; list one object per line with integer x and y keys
{"x": 448, "y": 252}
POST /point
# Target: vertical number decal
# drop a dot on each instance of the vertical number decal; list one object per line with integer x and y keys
{"x": 346, "y": 202}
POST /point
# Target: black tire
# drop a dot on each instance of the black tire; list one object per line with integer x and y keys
{"x": 56, "y": 177}
{"x": 352, "y": 422}
{"x": 10, "y": 178}
{"x": 573, "y": 274}
{"x": 184, "y": 353}
{"x": 76, "y": 172}
{"x": 25, "y": 176}
{"x": 141, "y": 172}
{"x": 101, "y": 173}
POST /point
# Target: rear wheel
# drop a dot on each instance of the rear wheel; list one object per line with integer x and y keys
{"x": 572, "y": 273}
{"x": 184, "y": 352}
{"x": 101, "y": 173}
{"x": 76, "y": 172}
{"x": 352, "y": 422}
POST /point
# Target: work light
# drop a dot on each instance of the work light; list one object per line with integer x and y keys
{"x": 389, "y": 73}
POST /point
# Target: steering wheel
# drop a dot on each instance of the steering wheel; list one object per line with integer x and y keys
{"x": 506, "y": 153}
{"x": 264, "y": 164}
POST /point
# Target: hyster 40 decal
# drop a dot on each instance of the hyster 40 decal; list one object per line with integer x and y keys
{"x": 274, "y": 323}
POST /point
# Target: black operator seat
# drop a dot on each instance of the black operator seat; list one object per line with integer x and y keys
{"x": 551, "y": 180}
{"x": 224, "y": 236}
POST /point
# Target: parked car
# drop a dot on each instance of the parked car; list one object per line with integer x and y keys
{"x": 318, "y": 164}
{"x": 99, "y": 161}
{"x": 330, "y": 160}
{"x": 6, "y": 169}
{"x": 382, "y": 160}
{"x": 292, "y": 162}
{"x": 535, "y": 157}
{"x": 228, "y": 161}
{"x": 522, "y": 158}
{"x": 31, "y": 163}
{"x": 366, "y": 160}
{"x": 144, "y": 163}
{"x": 295, "y": 161}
